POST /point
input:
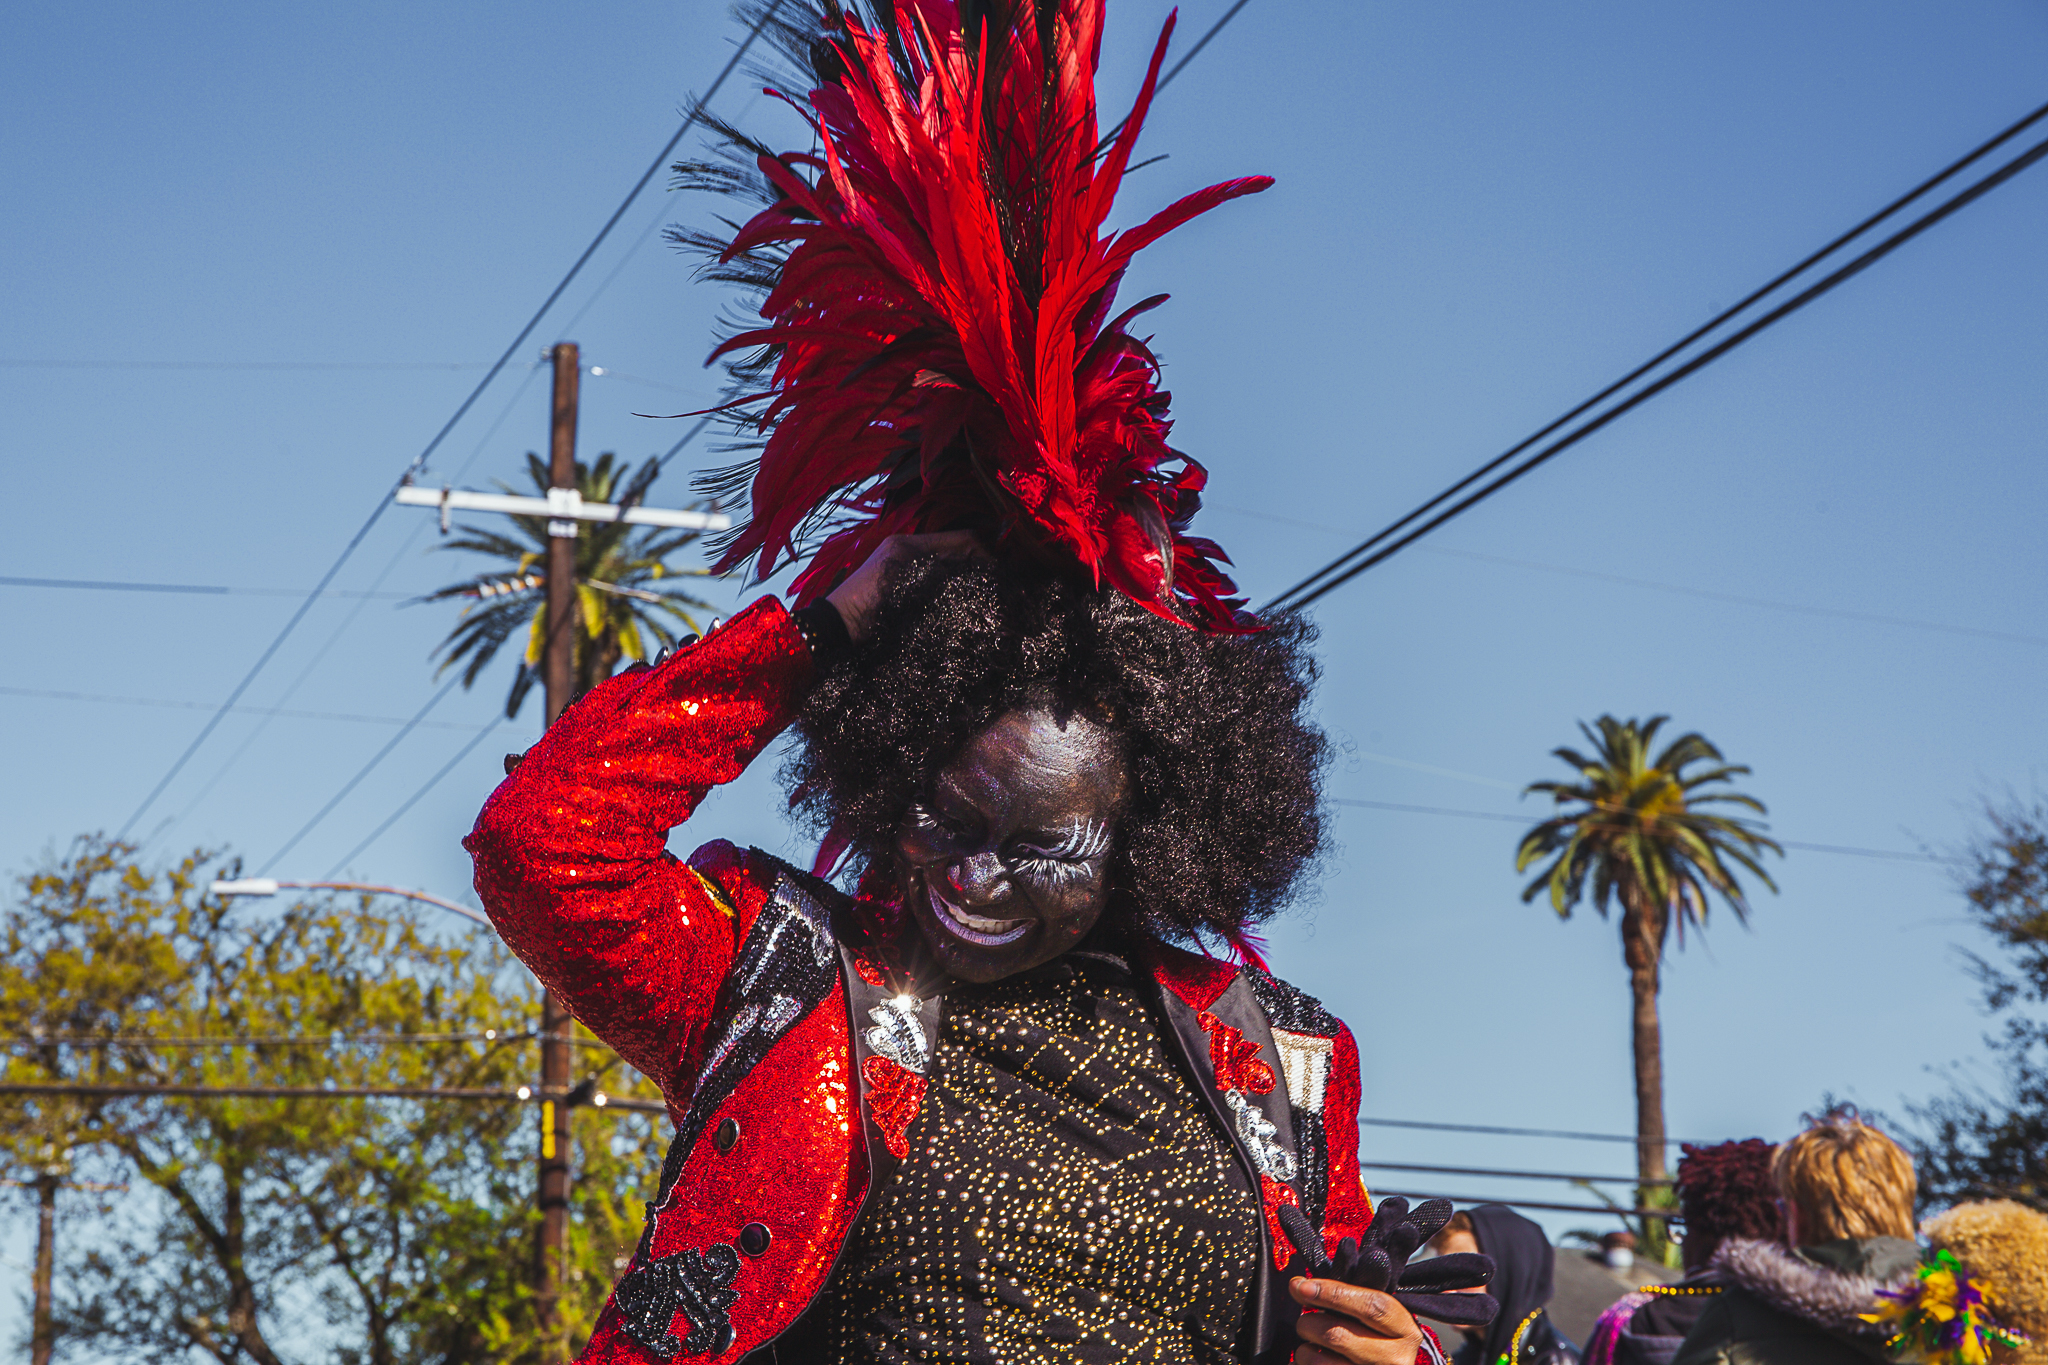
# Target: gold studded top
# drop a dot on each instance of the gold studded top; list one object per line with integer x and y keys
{"x": 1066, "y": 1197}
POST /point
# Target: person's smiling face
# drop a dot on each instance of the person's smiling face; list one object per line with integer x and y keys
{"x": 1005, "y": 860}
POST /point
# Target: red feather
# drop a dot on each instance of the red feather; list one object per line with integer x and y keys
{"x": 940, "y": 352}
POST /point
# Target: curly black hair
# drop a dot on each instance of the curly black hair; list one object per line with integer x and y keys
{"x": 1226, "y": 770}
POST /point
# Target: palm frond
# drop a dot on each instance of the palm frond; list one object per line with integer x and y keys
{"x": 626, "y": 590}
{"x": 1631, "y": 825}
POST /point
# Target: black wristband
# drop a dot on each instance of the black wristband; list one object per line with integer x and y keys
{"x": 824, "y": 630}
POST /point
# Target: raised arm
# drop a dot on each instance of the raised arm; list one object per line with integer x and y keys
{"x": 570, "y": 852}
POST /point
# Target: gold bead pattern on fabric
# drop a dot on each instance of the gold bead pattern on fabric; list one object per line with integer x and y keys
{"x": 1066, "y": 1198}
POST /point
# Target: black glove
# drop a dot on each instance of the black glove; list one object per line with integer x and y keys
{"x": 1381, "y": 1261}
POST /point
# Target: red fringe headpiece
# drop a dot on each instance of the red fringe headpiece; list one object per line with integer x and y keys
{"x": 938, "y": 316}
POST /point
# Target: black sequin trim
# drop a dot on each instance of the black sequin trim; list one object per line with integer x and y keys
{"x": 1312, "y": 1164}
{"x": 1296, "y": 1011}
{"x": 1286, "y": 1007}
{"x": 785, "y": 969}
{"x": 692, "y": 1283}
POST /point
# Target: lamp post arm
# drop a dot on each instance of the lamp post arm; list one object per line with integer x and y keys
{"x": 270, "y": 886}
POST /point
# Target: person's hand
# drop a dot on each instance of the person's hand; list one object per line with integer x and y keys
{"x": 1346, "y": 1322}
{"x": 858, "y": 596}
{"x": 1449, "y": 1288}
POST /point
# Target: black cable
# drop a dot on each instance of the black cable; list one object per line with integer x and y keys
{"x": 243, "y": 364}
{"x": 362, "y": 773}
{"x": 334, "y": 637}
{"x": 1697, "y": 363}
{"x": 289, "y": 713}
{"x": 412, "y": 800}
{"x": 418, "y": 461}
{"x": 268, "y": 1039}
{"x": 1738, "y": 599}
{"x": 1669, "y": 1214}
{"x": 1887, "y": 211}
{"x": 318, "y": 1092}
{"x": 449, "y": 767}
{"x": 1529, "y": 1132}
{"x": 1200, "y": 43}
{"x": 1538, "y": 819}
{"x": 706, "y": 420}
{"x": 1102, "y": 145}
{"x": 1495, "y": 1173}
{"x": 205, "y": 589}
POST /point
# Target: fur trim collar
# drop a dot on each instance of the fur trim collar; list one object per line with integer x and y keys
{"x": 1830, "y": 1299}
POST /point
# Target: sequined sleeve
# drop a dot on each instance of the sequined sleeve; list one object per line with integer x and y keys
{"x": 570, "y": 851}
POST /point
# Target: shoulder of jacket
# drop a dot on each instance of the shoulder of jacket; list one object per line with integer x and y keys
{"x": 742, "y": 881}
{"x": 1289, "y": 1007}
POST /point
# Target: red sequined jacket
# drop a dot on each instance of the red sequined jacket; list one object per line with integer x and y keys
{"x": 791, "y": 1070}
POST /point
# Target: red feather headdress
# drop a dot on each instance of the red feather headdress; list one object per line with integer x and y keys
{"x": 938, "y": 348}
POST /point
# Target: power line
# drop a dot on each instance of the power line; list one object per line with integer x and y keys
{"x": 334, "y": 637}
{"x": 268, "y": 1039}
{"x": 362, "y": 773}
{"x": 427, "y": 786}
{"x": 1802, "y": 609}
{"x": 106, "y": 585}
{"x": 292, "y": 714}
{"x": 418, "y": 461}
{"x": 315, "y": 1092}
{"x": 702, "y": 422}
{"x": 1681, "y": 589}
{"x": 243, "y": 364}
{"x": 1671, "y": 1215}
{"x": 1530, "y": 1132}
{"x": 1200, "y": 43}
{"x": 1113, "y": 134}
{"x": 1306, "y": 591}
{"x": 1493, "y": 1173}
{"x": 1845, "y": 849}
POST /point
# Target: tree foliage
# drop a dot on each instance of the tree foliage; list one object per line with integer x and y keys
{"x": 369, "y": 1231}
{"x": 626, "y": 595}
{"x": 1990, "y": 1140}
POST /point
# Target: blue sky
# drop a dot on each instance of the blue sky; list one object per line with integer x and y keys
{"x": 1483, "y": 213}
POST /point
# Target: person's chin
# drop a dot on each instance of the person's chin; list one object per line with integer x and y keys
{"x": 973, "y": 947}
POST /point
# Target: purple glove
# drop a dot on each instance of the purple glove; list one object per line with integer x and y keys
{"x": 1381, "y": 1261}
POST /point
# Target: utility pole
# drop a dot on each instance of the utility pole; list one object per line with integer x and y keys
{"x": 558, "y": 676}
{"x": 565, "y": 510}
{"x": 43, "y": 1334}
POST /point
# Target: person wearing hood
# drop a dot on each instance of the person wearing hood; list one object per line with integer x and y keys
{"x": 1521, "y": 1333}
{"x": 1724, "y": 1191}
{"x": 1847, "y": 1193}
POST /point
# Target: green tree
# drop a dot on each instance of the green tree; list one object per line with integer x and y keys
{"x": 1990, "y": 1140}
{"x": 365, "y": 1230}
{"x": 87, "y": 959}
{"x": 623, "y": 593}
{"x": 1633, "y": 829}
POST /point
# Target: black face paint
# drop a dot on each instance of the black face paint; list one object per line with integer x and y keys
{"x": 1005, "y": 861}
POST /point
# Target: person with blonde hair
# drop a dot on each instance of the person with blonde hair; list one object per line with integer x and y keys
{"x": 1983, "y": 1291}
{"x": 1846, "y": 1191}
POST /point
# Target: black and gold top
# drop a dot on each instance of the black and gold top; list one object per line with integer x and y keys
{"x": 1067, "y": 1197}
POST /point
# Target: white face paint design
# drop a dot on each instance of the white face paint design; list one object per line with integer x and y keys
{"x": 1005, "y": 863}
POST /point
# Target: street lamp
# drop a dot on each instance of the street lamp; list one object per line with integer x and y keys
{"x": 270, "y": 886}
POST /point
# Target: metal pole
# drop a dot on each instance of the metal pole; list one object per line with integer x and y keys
{"x": 558, "y": 674}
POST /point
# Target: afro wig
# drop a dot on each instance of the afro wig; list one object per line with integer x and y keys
{"x": 1226, "y": 770}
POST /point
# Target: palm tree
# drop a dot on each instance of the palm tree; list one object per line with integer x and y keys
{"x": 623, "y": 595}
{"x": 1636, "y": 830}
